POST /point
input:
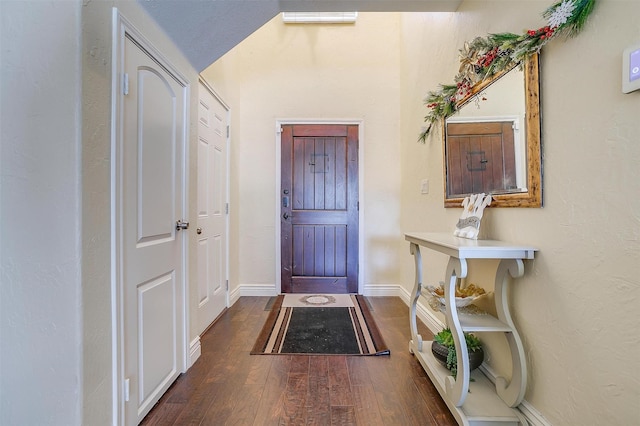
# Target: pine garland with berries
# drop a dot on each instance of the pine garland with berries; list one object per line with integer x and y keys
{"x": 486, "y": 57}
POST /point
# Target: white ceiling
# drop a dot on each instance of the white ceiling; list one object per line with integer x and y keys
{"x": 204, "y": 30}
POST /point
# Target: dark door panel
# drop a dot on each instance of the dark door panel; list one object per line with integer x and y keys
{"x": 319, "y": 210}
{"x": 480, "y": 158}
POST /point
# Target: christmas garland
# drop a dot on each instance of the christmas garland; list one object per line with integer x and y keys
{"x": 485, "y": 57}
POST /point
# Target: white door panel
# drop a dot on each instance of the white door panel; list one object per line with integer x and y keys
{"x": 203, "y": 271}
{"x": 219, "y": 181}
{"x": 156, "y": 335}
{"x": 153, "y": 141}
{"x": 156, "y": 199}
{"x": 212, "y": 198}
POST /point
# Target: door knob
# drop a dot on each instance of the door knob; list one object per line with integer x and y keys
{"x": 198, "y": 231}
{"x": 181, "y": 225}
{"x": 285, "y": 216}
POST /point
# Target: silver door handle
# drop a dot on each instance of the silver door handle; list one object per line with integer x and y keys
{"x": 181, "y": 225}
{"x": 198, "y": 231}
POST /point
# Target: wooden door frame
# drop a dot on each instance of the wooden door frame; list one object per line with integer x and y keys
{"x": 361, "y": 191}
{"x": 121, "y": 29}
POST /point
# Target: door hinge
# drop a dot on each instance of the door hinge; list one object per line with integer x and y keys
{"x": 125, "y": 84}
{"x": 280, "y": 130}
{"x": 228, "y": 131}
{"x": 226, "y": 208}
{"x": 227, "y": 285}
{"x": 126, "y": 390}
{"x": 358, "y": 205}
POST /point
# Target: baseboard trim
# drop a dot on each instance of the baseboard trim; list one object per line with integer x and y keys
{"x": 234, "y": 295}
{"x": 533, "y": 416}
{"x": 255, "y": 290}
{"x": 381, "y": 290}
{"x": 195, "y": 350}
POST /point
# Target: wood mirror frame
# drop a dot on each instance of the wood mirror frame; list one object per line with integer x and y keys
{"x": 533, "y": 195}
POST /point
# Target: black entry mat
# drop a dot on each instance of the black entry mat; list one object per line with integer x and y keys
{"x": 320, "y": 330}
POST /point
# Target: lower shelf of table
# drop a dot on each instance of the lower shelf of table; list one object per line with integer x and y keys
{"x": 481, "y": 407}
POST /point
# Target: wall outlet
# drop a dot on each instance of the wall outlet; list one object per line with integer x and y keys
{"x": 424, "y": 186}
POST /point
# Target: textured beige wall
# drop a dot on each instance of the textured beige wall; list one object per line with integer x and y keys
{"x": 320, "y": 72}
{"x": 576, "y": 307}
{"x": 40, "y": 298}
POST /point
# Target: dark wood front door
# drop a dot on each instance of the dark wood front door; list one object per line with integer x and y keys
{"x": 319, "y": 209}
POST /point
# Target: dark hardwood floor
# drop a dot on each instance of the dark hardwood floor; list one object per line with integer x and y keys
{"x": 227, "y": 386}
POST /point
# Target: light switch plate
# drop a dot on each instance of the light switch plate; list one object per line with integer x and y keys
{"x": 424, "y": 186}
{"x": 631, "y": 69}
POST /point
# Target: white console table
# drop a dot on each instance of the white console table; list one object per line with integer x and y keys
{"x": 477, "y": 401}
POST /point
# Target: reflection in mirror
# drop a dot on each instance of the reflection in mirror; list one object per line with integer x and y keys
{"x": 493, "y": 144}
{"x": 485, "y": 141}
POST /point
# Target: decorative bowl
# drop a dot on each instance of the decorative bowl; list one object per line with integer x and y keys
{"x": 461, "y": 302}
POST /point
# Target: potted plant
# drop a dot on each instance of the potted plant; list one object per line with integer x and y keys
{"x": 444, "y": 350}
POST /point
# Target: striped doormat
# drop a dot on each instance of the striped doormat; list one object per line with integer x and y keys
{"x": 320, "y": 330}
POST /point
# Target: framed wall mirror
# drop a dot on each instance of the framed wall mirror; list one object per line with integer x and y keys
{"x": 492, "y": 144}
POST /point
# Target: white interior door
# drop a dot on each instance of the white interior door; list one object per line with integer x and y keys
{"x": 212, "y": 212}
{"x": 152, "y": 150}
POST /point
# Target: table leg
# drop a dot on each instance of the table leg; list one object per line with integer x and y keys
{"x": 511, "y": 392}
{"x": 458, "y": 388}
{"x": 416, "y": 339}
